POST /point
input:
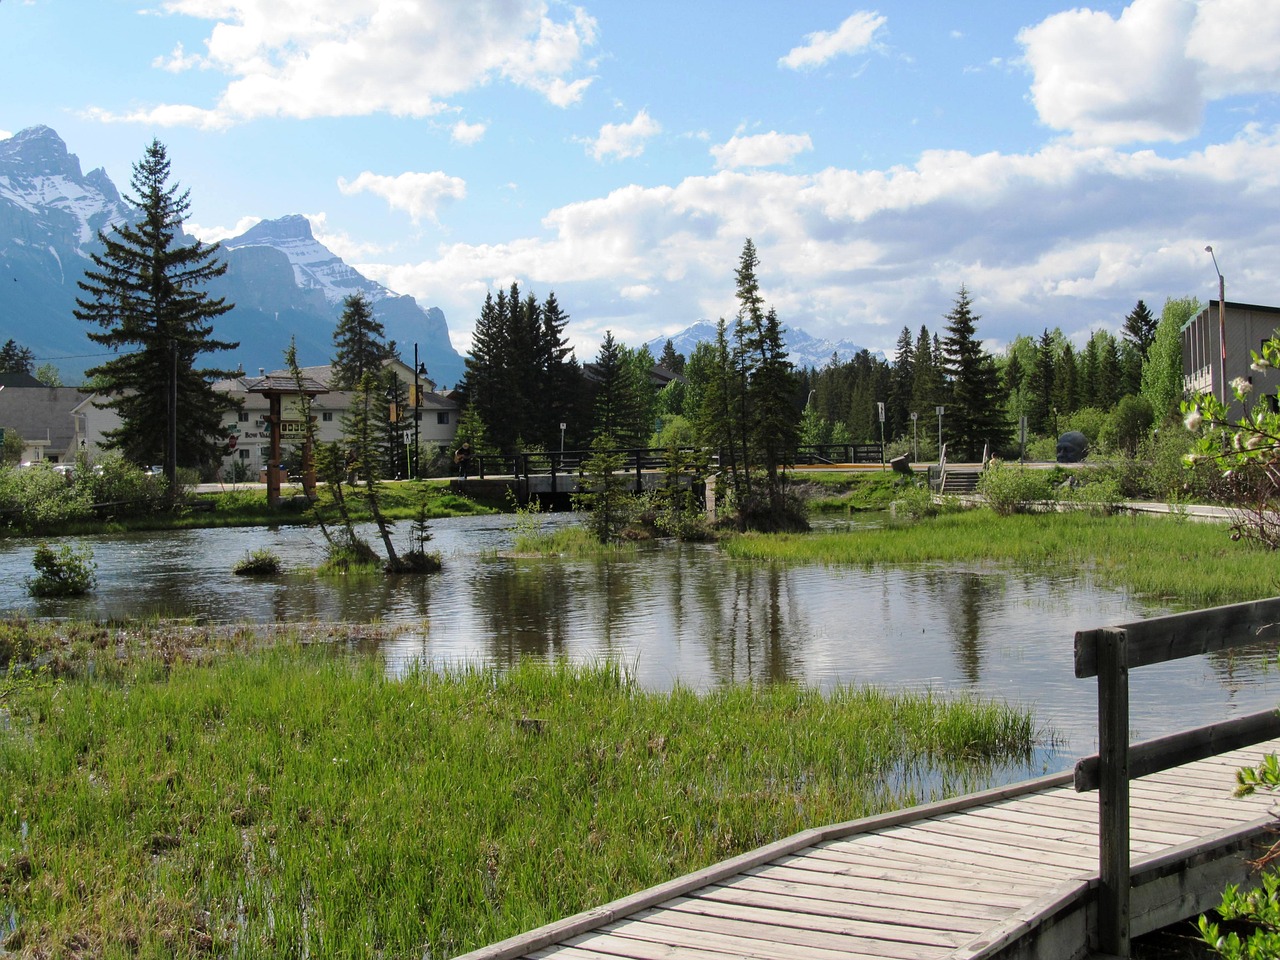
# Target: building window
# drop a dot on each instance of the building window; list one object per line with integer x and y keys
{"x": 244, "y": 454}
{"x": 327, "y": 416}
{"x": 243, "y": 416}
{"x": 442, "y": 417}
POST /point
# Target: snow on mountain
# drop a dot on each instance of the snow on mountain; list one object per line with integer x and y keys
{"x": 39, "y": 176}
{"x": 315, "y": 266}
{"x": 803, "y": 349}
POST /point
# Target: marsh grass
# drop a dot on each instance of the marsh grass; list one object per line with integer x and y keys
{"x": 286, "y": 802}
{"x": 577, "y": 542}
{"x": 1190, "y": 564}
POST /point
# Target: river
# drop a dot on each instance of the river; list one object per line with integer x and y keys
{"x": 680, "y": 614}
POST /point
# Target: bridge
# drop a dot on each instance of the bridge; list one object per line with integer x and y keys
{"x": 539, "y": 474}
{"x": 1039, "y": 869}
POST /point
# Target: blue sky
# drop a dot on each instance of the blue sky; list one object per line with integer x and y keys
{"x": 1061, "y": 162}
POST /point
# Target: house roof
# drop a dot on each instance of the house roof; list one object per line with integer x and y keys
{"x": 19, "y": 380}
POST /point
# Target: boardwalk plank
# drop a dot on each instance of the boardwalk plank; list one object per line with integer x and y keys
{"x": 997, "y": 895}
{"x": 884, "y": 906}
{"x": 804, "y": 939}
{"x": 901, "y": 931}
{"x": 744, "y": 895}
{"x": 886, "y": 870}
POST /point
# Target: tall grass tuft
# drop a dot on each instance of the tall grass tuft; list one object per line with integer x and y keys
{"x": 1187, "y": 564}
{"x": 290, "y": 803}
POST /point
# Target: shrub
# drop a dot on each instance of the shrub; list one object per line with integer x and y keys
{"x": 65, "y": 572}
{"x": 257, "y": 563}
{"x": 1012, "y": 489}
{"x": 1099, "y": 495}
{"x": 351, "y": 555}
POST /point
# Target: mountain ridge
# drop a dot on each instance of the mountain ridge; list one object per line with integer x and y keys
{"x": 283, "y": 282}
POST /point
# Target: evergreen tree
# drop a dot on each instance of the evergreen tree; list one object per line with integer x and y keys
{"x": 975, "y": 416}
{"x": 1065, "y": 383}
{"x": 618, "y": 410}
{"x": 901, "y": 381}
{"x": 1137, "y": 336}
{"x": 1110, "y": 377}
{"x": 145, "y": 295}
{"x": 18, "y": 359}
{"x": 926, "y": 387}
{"x": 1040, "y": 386}
{"x": 671, "y": 359}
{"x": 359, "y": 343}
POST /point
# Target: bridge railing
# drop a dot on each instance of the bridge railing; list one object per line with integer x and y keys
{"x": 831, "y": 453}
{"x": 1109, "y": 654}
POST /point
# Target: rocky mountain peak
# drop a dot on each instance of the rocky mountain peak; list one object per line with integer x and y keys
{"x": 38, "y": 152}
{"x": 291, "y": 227}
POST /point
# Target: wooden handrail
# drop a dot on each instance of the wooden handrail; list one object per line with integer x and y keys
{"x": 1108, "y": 654}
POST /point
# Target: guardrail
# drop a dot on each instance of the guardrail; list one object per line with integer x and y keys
{"x": 1109, "y": 654}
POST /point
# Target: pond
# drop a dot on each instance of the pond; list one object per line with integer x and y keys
{"x": 681, "y": 614}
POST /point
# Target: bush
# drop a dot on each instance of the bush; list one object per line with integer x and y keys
{"x": 39, "y": 497}
{"x": 1012, "y": 489}
{"x": 65, "y": 572}
{"x": 257, "y": 563}
{"x": 1099, "y": 495}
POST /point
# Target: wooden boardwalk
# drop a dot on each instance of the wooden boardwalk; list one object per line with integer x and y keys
{"x": 1008, "y": 872}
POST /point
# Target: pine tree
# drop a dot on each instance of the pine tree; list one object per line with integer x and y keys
{"x": 975, "y": 416}
{"x": 1040, "y": 386}
{"x": 145, "y": 294}
{"x": 671, "y": 359}
{"x": 901, "y": 380}
{"x": 19, "y": 359}
{"x": 1138, "y": 335}
{"x": 1065, "y": 383}
{"x": 359, "y": 343}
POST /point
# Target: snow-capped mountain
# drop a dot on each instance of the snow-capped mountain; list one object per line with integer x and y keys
{"x": 803, "y": 349}
{"x": 283, "y": 282}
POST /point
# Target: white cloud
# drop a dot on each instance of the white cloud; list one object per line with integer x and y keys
{"x": 1148, "y": 74}
{"x": 860, "y": 254}
{"x": 761, "y": 150}
{"x": 418, "y": 194}
{"x": 467, "y": 133}
{"x": 339, "y": 241}
{"x": 178, "y": 61}
{"x": 5, "y": 134}
{"x": 623, "y": 140}
{"x": 855, "y": 34}
{"x": 315, "y": 58}
{"x": 215, "y": 234}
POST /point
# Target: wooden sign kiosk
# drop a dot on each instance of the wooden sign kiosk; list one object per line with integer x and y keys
{"x": 276, "y": 388}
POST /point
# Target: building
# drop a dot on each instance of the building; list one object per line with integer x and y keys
{"x": 249, "y": 434}
{"x": 41, "y": 416}
{"x": 1205, "y": 369}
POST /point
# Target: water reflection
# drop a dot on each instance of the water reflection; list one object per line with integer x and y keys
{"x": 681, "y": 614}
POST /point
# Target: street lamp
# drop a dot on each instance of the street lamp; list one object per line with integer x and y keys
{"x": 941, "y": 411}
{"x": 915, "y": 437}
{"x": 562, "y": 426}
{"x": 1222, "y": 328}
{"x": 419, "y": 371}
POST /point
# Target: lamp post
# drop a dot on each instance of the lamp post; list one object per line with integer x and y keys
{"x": 941, "y": 411}
{"x": 915, "y": 437}
{"x": 419, "y": 371}
{"x": 562, "y": 426}
{"x": 1222, "y": 328}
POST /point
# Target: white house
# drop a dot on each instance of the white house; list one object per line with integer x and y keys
{"x": 249, "y": 435}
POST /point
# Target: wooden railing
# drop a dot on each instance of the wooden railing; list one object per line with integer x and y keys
{"x": 1109, "y": 654}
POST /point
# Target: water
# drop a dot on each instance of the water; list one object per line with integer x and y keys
{"x": 681, "y": 614}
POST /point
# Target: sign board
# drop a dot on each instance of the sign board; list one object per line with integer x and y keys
{"x": 880, "y": 405}
{"x": 293, "y": 428}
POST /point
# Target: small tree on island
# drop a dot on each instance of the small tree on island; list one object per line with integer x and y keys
{"x": 145, "y": 294}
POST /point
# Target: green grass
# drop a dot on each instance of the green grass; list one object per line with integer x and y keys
{"x": 1184, "y": 562}
{"x": 835, "y": 491}
{"x": 289, "y": 803}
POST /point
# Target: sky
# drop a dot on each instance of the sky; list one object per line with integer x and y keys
{"x": 1059, "y": 162}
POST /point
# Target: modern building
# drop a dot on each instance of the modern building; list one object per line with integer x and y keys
{"x": 1206, "y": 368}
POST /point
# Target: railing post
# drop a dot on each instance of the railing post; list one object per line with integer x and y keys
{"x": 1113, "y": 793}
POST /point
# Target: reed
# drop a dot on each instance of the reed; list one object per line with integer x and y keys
{"x": 287, "y": 802}
{"x": 1166, "y": 558}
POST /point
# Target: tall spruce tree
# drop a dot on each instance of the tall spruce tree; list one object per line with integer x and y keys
{"x": 146, "y": 296}
{"x": 671, "y": 359}
{"x": 975, "y": 416}
{"x": 359, "y": 343}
